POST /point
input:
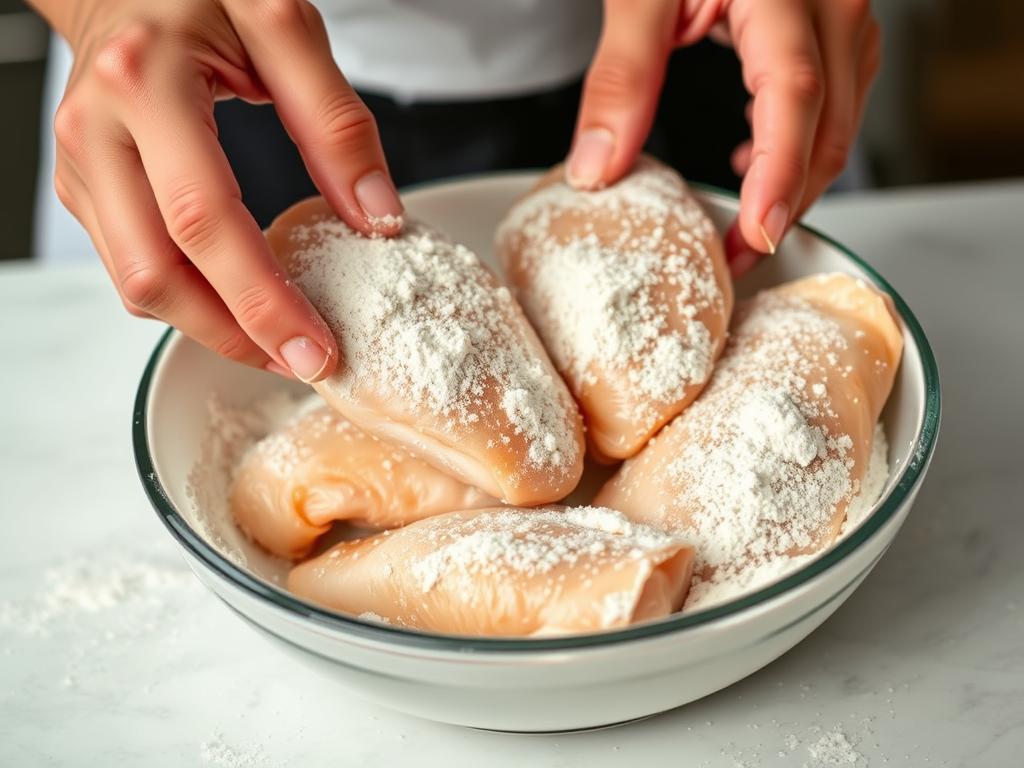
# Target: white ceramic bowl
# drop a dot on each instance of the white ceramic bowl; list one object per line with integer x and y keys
{"x": 557, "y": 684}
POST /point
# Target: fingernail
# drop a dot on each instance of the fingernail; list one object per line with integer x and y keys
{"x": 743, "y": 262}
{"x": 773, "y": 226}
{"x": 305, "y": 357}
{"x": 379, "y": 200}
{"x": 589, "y": 158}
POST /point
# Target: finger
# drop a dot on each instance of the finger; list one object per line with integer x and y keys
{"x": 334, "y": 131}
{"x": 740, "y": 257}
{"x": 868, "y": 66}
{"x": 621, "y": 90}
{"x": 73, "y": 195}
{"x": 740, "y": 159}
{"x": 776, "y": 43}
{"x": 149, "y": 270}
{"x": 840, "y": 25}
{"x": 201, "y": 207}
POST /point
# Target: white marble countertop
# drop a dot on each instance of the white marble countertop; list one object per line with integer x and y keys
{"x": 111, "y": 654}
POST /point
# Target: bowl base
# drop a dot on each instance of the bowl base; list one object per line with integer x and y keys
{"x": 587, "y": 729}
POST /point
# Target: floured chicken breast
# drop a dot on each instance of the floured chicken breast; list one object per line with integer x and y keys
{"x": 629, "y": 289}
{"x": 437, "y": 357}
{"x": 504, "y": 571}
{"x": 318, "y": 468}
{"x": 764, "y": 464}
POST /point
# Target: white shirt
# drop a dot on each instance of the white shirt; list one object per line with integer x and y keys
{"x": 408, "y": 49}
{"x": 461, "y": 49}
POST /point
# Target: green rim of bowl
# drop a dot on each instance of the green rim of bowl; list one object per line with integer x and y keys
{"x": 910, "y": 477}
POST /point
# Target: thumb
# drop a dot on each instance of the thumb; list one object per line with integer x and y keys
{"x": 621, "y": 90}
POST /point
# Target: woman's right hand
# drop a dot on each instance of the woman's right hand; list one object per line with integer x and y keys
{"x": 139, "y": 165}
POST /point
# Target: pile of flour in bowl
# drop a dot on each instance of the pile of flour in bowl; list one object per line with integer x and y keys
{"x": 230, "y": 432}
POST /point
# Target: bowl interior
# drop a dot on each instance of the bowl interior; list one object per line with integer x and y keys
{"x": 172, "y": 418}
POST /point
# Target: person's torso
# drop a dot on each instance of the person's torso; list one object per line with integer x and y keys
{"x": 430, "y": 50}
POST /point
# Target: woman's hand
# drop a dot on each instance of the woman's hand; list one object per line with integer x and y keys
{"x": 139, "y": 164}
{"x": 808, "y": 65}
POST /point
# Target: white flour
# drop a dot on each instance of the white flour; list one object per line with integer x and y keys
{"x": 93, "y": 586}
{"x": 833, "y": 748}
{"x": 421, "y": 320}
{"x": 871, "y": 486}
{"x": 708, "y": 592}
{"x": 536, "y": 544}
{"x": 289, "y": 445}
{"x": 758, "y": 475}
{"x": 279, "y": 451}
{"x": 755, "y": 485}
{"x": 766, "y": 461}
{"x": 625, "y": 310}
{"x": 215, "y": 751}
{"x": 230, "y": 433}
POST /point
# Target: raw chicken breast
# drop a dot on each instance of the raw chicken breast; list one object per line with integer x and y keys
{"x": 505, "y": 571}
{"x": 763, "y": 465}
{"x": 437, "y": 357}
{"x": 319, "y": 468}
{"x": 629, "y": 289}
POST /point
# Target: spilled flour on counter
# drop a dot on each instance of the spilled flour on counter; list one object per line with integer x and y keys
{"x": 98, "y": 620}
{"x": 620, "y": 301}
{"x": 217, "y": 752}
{"x": 833, "y": 748}
{"x": 92, "y": 586}
{"x": 420, "y": 320}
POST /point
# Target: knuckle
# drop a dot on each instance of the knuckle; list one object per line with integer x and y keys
{"x": 234, "y": 346}
{"x": 792, "y": 168}
{"x": 788, "y": 169}
{"x": 144, "y": 287}
{"x": 344, "y": 121}
{"x": 856, "y": 10}
{"x": 800, "y": 78}
{"x": 254, "y": 306}
{"x": 63, "y": 193}
{"x": 119, "y": 63}
{"x": 615, "y": 78}
{"x": 807, "y": 82}
{"x": 833, "y": 157}
{"x": 192, "y": 218}
{"x": 67, "y": 124}
{"x": 134, "y": 311}
{"x": 285, "y": 13}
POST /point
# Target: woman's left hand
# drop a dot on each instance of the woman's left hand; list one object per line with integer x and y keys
{"x": 808, "y": 65}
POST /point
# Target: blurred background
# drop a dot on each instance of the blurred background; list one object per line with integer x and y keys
{"x": 948, "y": 105}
